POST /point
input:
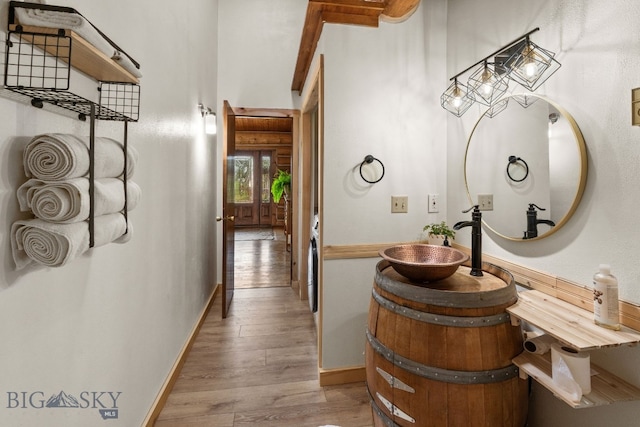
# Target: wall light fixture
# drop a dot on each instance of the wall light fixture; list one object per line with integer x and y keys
{"x": 456, "y": 99}
{"x": 210, "y": 119}
{"x": 521, "y": 61}
{"x": 487, "y": 85}
{"x": 497, "y": 108}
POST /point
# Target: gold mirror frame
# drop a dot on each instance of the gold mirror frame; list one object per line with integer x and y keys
{"x": 582, "y": 150}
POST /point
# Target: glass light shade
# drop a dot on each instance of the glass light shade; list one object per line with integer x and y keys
{"x": 486, "y": 85}
{"x": 532, "y": 66}
{"x": 525, "y": 100}
{"x": 497, "y": 108}
{"x": 210, "y": 124}
{"x": 456, "y": 99}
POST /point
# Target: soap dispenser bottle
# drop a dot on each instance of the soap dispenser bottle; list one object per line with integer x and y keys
{"x": 605, "y": 298}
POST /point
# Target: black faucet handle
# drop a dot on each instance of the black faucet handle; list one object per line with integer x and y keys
{"x": 533, "y": 205}
{"x": 474, "y": 207}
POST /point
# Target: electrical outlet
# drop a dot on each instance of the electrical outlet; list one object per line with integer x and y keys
{"x": 434, "y": 203}
{"x": 485, "y": 202}
{"x": 399, "y": 204}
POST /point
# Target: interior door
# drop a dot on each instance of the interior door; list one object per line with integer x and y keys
{"x": 252, "y": 188}
{"x": 228, "y": 207}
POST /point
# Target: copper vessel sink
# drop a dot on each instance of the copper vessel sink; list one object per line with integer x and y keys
{"x": 424, "y": 263}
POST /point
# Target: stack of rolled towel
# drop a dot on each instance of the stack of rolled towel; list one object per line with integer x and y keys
{"x": 58, "y": 195}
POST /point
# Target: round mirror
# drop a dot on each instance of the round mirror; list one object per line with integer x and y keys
{"x": 528, "y": 162}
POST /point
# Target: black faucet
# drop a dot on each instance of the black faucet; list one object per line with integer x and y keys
{"x": 476, "y": 238}
{"x": 533, "y": 221}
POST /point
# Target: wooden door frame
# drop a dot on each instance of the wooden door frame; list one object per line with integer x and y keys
{"x": 313, "y": 99}
{"x": 295, "y": 174}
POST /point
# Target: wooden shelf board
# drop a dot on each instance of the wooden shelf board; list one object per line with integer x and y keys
{"x": 86, "y": 58}
{"x": 567, "y": 323}
{"x": 606, "y": 388}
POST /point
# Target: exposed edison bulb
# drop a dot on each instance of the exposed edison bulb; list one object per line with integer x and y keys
{"x": 530, "y": 69}
{"x": 486, "y": 87}
{"x": 457, "y": 97}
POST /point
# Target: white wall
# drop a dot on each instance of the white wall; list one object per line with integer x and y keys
{"x": 116, "y": 318}
{"x": 597, "y": 45}
{"x": 258, "y": 48}
{"x": 594, "y": 83}
{"x": 381, "y": 98}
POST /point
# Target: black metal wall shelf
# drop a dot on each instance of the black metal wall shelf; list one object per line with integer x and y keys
{"x": 38, "y": 62}
{"x": 125, "y": 99}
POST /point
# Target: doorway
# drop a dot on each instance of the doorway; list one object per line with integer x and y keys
{"x": 252, "y": 184}
{"x": 263, "y": 142}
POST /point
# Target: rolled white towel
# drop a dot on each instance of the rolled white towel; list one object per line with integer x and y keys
{"x": 66, "y": 20}
{"x": 126, "y": 63}
{"x": 68, "y": 201}
{"x": 57, "y": 156}
{"x": 54, "y": 245}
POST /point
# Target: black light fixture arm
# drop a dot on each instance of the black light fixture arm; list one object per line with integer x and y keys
{"x": 505, "y": 47}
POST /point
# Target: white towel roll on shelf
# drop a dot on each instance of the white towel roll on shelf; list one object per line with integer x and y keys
{"x": 56, "y": 157}
{"x": 54, "y": 245}
{"x": 68, "y": 201}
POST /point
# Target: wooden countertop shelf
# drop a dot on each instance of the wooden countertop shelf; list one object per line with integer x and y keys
{"x": 606, "y": 388}
{"x": 84, "y": 56}
{"x": 574, "y": 327}
{"x": 567, "y": 323}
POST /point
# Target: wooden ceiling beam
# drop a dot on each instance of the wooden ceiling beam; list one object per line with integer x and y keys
{"x": 399, "y": 10}
{"x": 263, "y": 112}
{"x": 350, "y": 18}
{"x": 310, "y": 35}
{"x": 263, "y": 138}
{"x": 350, "y": 12}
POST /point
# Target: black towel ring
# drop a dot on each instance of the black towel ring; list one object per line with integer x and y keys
{"x": 512, "y": 161}
{"x": 368, "y": 159}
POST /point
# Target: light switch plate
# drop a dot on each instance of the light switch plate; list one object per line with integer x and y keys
{"x": 485, "y": 202}
{"x": 399, "y": 204}
{"x": 434, "y": 203}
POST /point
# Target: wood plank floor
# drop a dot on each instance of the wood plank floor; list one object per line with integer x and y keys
{"x": 261, "y": 258}
{"x": 259, "y": 367}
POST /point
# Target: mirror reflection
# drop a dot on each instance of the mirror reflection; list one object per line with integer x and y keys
{"x": 529, "y": 163}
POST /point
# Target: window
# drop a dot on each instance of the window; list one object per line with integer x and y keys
{"x": 243, "y": 179}
{"x": 266, "y": 179}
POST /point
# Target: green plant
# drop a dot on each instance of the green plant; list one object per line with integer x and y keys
{"x": 441, "y": 229}
{"x": 281, "y": 181}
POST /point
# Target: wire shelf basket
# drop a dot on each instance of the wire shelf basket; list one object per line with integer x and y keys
{"x": 37, "y": 66}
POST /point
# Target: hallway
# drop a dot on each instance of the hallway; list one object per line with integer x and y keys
{"x": 258, "y": 367}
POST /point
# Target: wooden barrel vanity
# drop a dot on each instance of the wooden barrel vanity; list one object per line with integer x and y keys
{"x": 440, "y": 354}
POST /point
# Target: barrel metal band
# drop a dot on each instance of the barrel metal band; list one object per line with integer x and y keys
{"x": 388, "y": 422}
{"x": 444, "y": 298}
{"x": 394, "y": 410}
{"x": 443, "y": 375}
{"x": 440, "y": 319}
